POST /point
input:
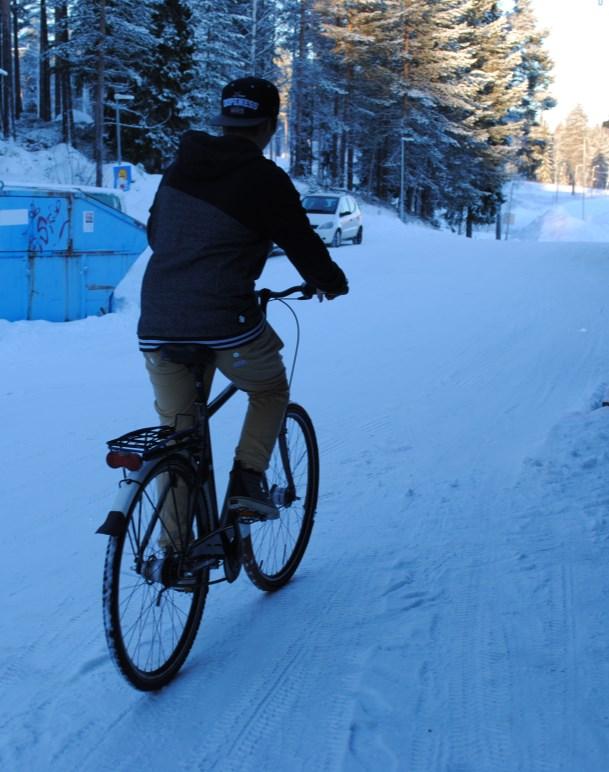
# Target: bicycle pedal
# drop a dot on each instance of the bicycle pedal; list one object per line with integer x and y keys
{"x": 247, "y": 517}
{"x": 246, "y": 513}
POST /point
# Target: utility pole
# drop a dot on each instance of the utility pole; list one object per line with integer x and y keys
{"x": 118, "y": 98}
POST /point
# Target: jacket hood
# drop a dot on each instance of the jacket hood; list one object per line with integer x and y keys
{"x": 205, "y": 157}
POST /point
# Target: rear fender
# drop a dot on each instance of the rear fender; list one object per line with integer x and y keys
{"x": 114, "y": 524}
{"x": 116, "y": 520}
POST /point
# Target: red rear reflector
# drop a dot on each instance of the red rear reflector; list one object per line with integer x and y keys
{"x": 130, "y": 461}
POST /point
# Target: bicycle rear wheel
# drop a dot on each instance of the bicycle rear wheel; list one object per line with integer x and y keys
{"x": 152, "y": 608}
{"x": 273, "y": 550}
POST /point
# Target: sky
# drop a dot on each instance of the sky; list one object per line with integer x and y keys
{"x": 577, "y": 42}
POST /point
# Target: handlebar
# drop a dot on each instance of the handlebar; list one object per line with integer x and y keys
{"x": 264, "y": 295}
{"x": 306, "y": 291}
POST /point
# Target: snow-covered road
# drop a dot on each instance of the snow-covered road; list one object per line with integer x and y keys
{"x": 450, "y": 612}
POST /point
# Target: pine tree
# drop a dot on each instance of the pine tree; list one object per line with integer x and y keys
{"x": 598, "y": 157}
{"x": 63, "y": 80}
{"x": 570, "y": 141}
{"x": 110, "y": 41}
{"x": 547, "y": 170}
{"x": 440, "y": 150}
{"x": 303, "y": 23}
{"x": 218, "y": 44}
{"x": 496, "y": 97}
{"x": 255, "y": 25}
{"x": 533, "y": 73}
{"x": 163, "y": 107}
{"x": 28, "y": 58}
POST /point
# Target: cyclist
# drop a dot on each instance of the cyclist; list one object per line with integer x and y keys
{"x": 219, "y": 207}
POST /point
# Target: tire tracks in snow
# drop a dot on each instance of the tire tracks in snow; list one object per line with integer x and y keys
{"x": 438, "y": 691}
{"x": 253, "y": 684}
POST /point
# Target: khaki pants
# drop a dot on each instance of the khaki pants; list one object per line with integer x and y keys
{"x": 256, "y": 368}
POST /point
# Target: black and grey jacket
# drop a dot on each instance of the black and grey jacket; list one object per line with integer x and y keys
{"x": 218, "y": 209}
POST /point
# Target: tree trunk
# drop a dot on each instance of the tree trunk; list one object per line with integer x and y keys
{"x": 371, "y": 168}
{"x": 17, "y": 78}
{"x": 63, "y": 90}
{"x": 99, "y": 96}
{"x": 254, "y": 40}
{"x": 68, "y": 111}
{"x": 378, "y": 170}
{"x": 350, "y": 156}
{"x": 427, "y": 210}
{"x": 348, "y": 153}
{"x": 57, "y": 71}
{"x": 6, "y": 81}
{"x": 469, "y": 224}
{"x": 340, "y": 157}
{"x": 335, "y": 162}
{"x": 44, "y": 108}
{"x": 299, "y": 163}
{"x": 411, "y": 196}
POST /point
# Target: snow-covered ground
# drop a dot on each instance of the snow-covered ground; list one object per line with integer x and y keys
{"x": 450, "y": 612}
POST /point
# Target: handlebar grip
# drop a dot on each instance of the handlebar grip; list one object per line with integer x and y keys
{"x": 305, "y": 289}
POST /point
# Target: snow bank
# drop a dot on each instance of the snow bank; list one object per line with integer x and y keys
{"x": 550, "y": 213}
{"x": 63, "y": 165}
{"x": 557, "y": 224}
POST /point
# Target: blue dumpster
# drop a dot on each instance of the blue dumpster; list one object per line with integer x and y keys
{"x": 63, "y": 250}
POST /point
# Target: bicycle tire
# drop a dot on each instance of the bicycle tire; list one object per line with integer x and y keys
{"x": 273, "y": 549}
{"x": 150, "y": 627}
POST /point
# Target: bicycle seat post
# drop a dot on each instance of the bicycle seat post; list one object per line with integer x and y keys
{"x": 198, "y": 371}
{"x": 199, "y": 374}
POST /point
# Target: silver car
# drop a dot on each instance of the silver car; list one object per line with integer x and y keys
{"x": 335, "y": 216}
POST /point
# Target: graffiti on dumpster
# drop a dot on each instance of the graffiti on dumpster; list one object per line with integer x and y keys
{"x": 46, "y": 228}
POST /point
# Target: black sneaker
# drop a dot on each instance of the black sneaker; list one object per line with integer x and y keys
{"x": 248, "y": 495}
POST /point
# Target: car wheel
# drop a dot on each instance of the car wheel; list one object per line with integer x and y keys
{"x": 359, "y": 236}
{"x": 338, "y": 238}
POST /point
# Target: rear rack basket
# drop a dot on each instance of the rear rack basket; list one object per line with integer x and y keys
{"x": 150, "y": 441}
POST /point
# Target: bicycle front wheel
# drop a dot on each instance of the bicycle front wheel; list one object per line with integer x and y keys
{"x": 273, "y": 550}
{"x": 152, "y": 608}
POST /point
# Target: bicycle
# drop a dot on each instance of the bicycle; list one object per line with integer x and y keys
{"x": 167, "y": 533}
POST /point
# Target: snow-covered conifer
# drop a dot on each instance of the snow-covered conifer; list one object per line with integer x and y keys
{"x": 571, "y": 148}
{"x": 532, "y": 73}
{"x": 163, "y": 107}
